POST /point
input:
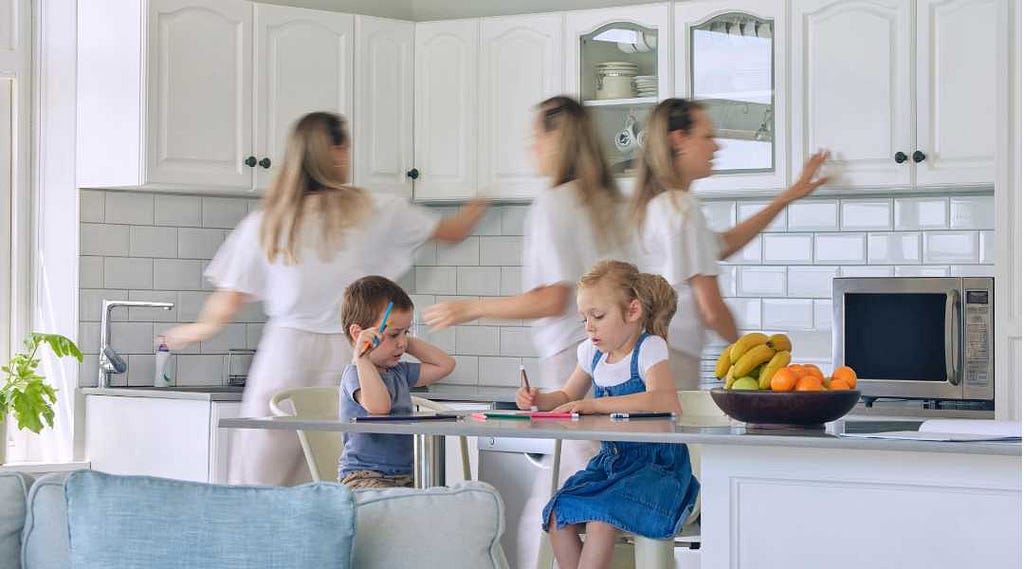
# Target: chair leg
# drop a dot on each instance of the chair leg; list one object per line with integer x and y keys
{"x": 653, "y": 553}
{"x": 467, "y": 473}
{"x": 545, "y": 555}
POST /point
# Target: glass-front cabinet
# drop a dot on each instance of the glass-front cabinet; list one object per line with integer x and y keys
{"x": 618, "y": 65}
{"x": 729, "y": 57}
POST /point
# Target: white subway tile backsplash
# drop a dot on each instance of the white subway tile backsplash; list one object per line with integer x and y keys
{"x": 200, "y": 369}
{"x": 91, "y": 206}
{"x": 477, "y": 340}
{"x": 727, "y": 280}
{"x": 425, "y": 254}
{"x": 176, "y": 274}
{"x": 89, "y": 337}
{"x": 720, "y": 215}
{"x": 822, "y": 314}
{"x": 787, "y": 314}
{"x": 446, "y": 339}
{"x": 811, "y": 345}
{"x": 132, "y": 337}
{"x": 512, "y": 219}
{"x": 407, "y": 281}
{"x": 199, "y": 243}
{"x": 838, "y": 248}
{"x": 855, "y": 271}
{"x": 87, "y": 369}
{"x": 190, "y": 304}
{"x": 129, "y": 208}
{"x": 922, "y": 271}
{"x": 951, "y": 247}
{"x": 504, "y": 251}
{"x": 811, "y": 282}
{"x": 147, "y": 241}
{"x": 761, "y": 281}
{"x": 98, "y": 239}
{"x": 988, "y": 247}
{"x": 971, "y": 212}
{"x": 813, "y": 216}
{"x": 141, "y": 314}
{"x": 253, "y": 312}
{"x": 746, "y": 311}
{"x": 921, "y": 213}
{"x": 90, "y": 304}
{"x": 90, "y": 272}
{"x": 490, "y": 224}
{"x": 750, "y": 254}
{"x": 788, "y": 249}
{"x": 892, "y": 248}
{"x": 516, "y": 341}
{"x": 972, "y": 271}
{"x": 126, "y": 272}
{"x": 479, "y": 280}
{"x": 866, "y": 214}
{"x": 467, "y": 370}
{"x": 436, "y": 280}
{"x": 466, "y": 253}
{"x": 224, "y": 212}
{"x": 231, "y": 336}
{"x": 511, "y": 281}
{"x": 499, "y": 371}
{"x": 178, "y": 211}
{"x": 745, "y": 210}
{"x": 141, "y": 369}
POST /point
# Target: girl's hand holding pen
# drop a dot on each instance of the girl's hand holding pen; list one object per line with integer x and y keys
{"x": 526, "y": 398}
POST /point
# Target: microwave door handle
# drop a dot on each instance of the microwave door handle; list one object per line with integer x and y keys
{"x": 952, "y": 338}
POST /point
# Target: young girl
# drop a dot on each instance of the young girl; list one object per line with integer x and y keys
{"x": 313, "y": 235}
{"x": 675, "y": 241}
{"x": 642, "y": 488}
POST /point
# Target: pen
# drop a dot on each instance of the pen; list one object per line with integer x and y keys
{"x": 380, "y": 330}
{"x": 526, "y": 382}
{"x": 640, "y": 415}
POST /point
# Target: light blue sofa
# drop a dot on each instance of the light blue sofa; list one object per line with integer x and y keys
{"x": 457, "y": 527}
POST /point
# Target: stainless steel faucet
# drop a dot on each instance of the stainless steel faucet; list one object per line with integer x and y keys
{"x": 110, "y": 360}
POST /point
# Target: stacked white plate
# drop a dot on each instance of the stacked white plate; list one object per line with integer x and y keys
{"x": 615, "y": 79}
{"x": 646, "y": 85}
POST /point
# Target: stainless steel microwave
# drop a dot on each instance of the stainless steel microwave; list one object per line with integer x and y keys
{"x": 916, "y": 337}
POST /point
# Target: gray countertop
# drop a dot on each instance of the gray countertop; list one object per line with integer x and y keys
{"x": 467, "y": 393}
{"x": 649, "y": 430}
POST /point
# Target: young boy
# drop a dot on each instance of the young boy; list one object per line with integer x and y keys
{"x": 377, "y": 382}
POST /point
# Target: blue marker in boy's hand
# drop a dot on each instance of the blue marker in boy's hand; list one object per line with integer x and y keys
{"x": 383, "y": 324}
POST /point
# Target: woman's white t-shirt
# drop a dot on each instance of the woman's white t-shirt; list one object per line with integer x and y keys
{"x": 676, "y": 243}
{"x": 307, "y": 295}
{"x": 559, "y": 247}
{"x": 653, "y": 350}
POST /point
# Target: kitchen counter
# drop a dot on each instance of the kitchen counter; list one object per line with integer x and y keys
{"x": 438, "y": 392}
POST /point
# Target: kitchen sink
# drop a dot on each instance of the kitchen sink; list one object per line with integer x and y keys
{"x": 879, "y": 426}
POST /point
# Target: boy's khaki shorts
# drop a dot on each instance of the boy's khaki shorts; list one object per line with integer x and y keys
{"x": 359, "y": 479}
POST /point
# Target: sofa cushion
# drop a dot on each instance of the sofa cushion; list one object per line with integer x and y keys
{"x": 140, "y": 521}
{"x": 13, "y": 491}
{"x": 455, "y": 528}
{"x": 44, "y": 543}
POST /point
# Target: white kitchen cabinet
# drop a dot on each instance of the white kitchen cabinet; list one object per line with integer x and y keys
{"x": 947, "y": 60}
{"x": 446, "y": 120}
{"x": 521, "y": 64}
{"x": 731, "y": 54}
{"x": 303, "y": 63}
{"x": 382, "y": 125}
{"x": 155, "y": 436}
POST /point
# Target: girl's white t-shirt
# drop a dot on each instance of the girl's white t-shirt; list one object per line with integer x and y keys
{"x": 653, "y": 350}
{"x": 559, "y": 247}
{"x": 676, "y": 243}
{"x": 307, "y": 295}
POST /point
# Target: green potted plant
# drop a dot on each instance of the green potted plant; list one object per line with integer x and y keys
{"x": 24, "y": 394}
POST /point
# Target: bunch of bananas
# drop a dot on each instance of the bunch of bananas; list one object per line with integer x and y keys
{"x": 752, "y": 360}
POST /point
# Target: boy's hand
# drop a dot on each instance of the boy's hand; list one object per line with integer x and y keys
{"x": 367, "y": 336}
{"x": 526, "y": 399}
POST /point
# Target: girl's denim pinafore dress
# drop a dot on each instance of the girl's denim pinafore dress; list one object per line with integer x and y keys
{"x": 646, "y": 489}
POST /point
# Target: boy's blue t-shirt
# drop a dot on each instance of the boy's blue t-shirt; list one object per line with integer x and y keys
{"x": 388, "y": 454}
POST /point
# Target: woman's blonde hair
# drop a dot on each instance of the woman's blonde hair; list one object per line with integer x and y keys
{"x": 657, "y": 171}
{"x": 657, "y": 298}
{"x": 579, "y": 159}
{"x": 308, "y": 185}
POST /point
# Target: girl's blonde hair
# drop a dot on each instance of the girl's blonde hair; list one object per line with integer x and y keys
{"x": 657, "y": 298}
{"x": 657, "y": 171}
{"x": 309, "y": 186}
{"x": 578, "y": 158}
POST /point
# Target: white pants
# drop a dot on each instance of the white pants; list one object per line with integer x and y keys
{"x": 286, "y": 358}
{"x": 555, "y": 371}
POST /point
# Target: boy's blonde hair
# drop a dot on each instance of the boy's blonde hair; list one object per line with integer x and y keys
{"x": 367, "y": 298}
{"x": 309, "y": 186}
{"x": 657, "y": 298}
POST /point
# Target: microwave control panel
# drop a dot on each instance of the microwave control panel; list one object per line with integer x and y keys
{"x": 978, "y": 337}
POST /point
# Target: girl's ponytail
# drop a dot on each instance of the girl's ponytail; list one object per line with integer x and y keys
{"x": 659, "y": 301}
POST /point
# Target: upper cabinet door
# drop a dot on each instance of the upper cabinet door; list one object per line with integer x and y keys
{"x": 199, "y": 93}
{"x": 962, "y": 70}
{"x": 851, "y": 89}
{"x": 303, "y": 64}
{"x": 446, "y": 109}
{"x": 521, "y": 65}
{"x": 731, "y": 55}
{"x": 383, "y": 124}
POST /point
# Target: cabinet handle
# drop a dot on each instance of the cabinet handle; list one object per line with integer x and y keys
{"x": 250, "y": 162}
{"x": 414, "y": 173}
{"x": 265, "y": 162}
{"x": 900, "y": 157}
{"x": 919, "y": 156}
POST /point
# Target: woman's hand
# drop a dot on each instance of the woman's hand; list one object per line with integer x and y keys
{"x": 366, "y": 336}
{"x": 446, "y": 314}
{"x": 183, "y": 336}
{"x": 809, "y": 179}
{"x": 526, "y": 399}
{"x": 581, "y": 406}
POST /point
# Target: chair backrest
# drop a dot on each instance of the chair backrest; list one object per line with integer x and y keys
{"x": 322, "y": 449}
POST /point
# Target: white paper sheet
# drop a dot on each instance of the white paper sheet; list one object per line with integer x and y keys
{"x": 952, "y": 430}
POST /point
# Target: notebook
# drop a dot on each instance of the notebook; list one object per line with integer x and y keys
{"x": 952, "y": 430}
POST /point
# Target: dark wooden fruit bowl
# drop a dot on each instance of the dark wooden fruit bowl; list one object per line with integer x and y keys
{"x": 785, "y": 409}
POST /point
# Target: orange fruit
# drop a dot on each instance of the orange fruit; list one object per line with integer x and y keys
{"x": 796, "y": 368}
{"x": 809, "y": 383}
{"x": 784, "y": 380}
{"x": 811, "y": 369}
{"x": 838, "y": 384}
{"x": 846, "y": 374}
